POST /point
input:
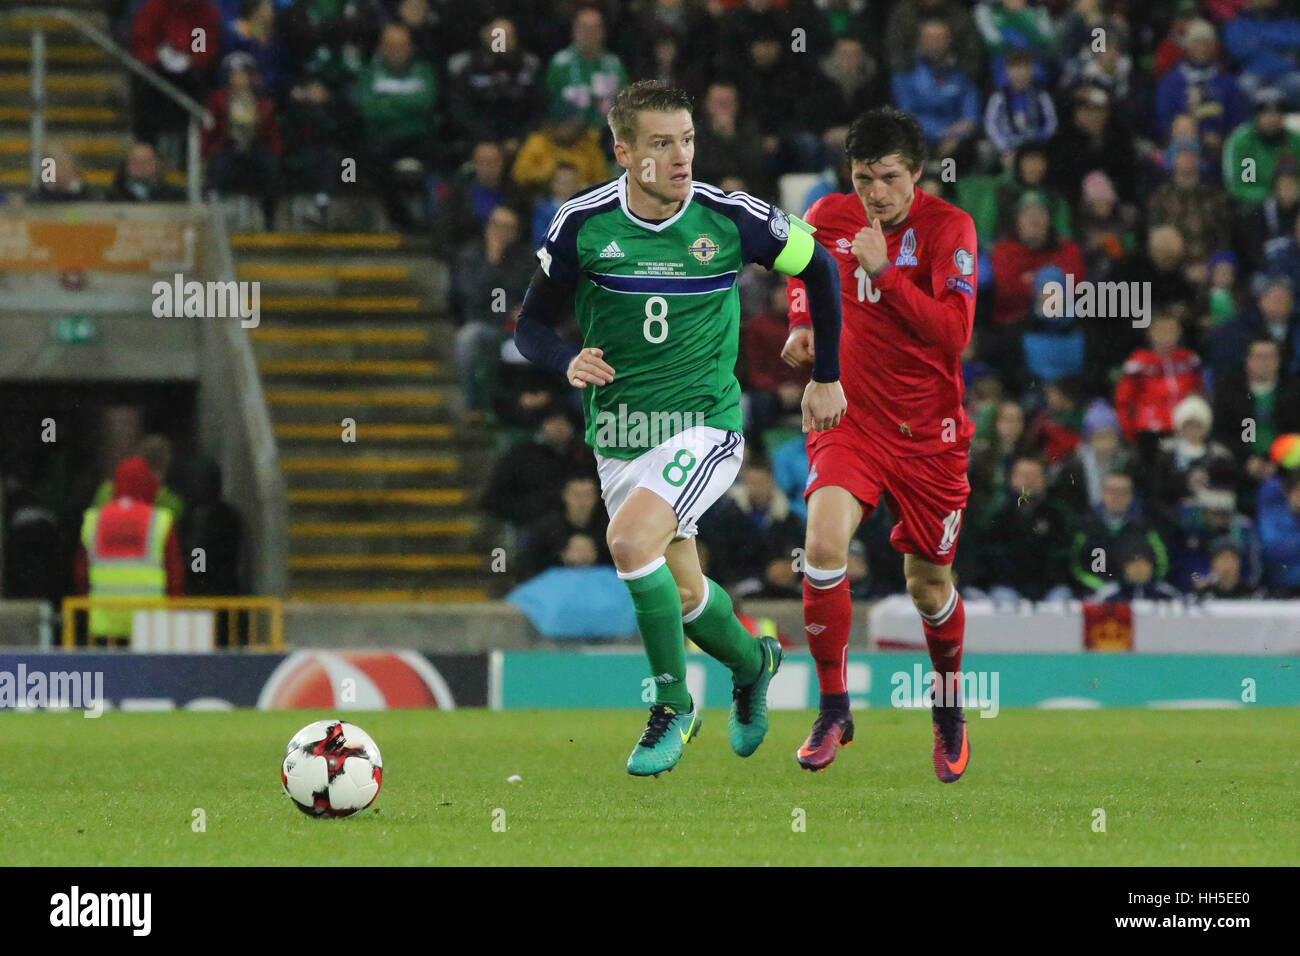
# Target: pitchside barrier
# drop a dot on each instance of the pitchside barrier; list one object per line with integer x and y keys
{"x": 183, "y": 625}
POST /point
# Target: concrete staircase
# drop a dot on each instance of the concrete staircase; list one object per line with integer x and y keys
{"x": 348, "y": 331}
{"x": 87, "y": 99}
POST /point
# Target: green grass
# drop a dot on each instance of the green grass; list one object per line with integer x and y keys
{"x": 1178, "y": 788}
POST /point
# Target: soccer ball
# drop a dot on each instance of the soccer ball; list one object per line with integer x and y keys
{"x": 331, "y": 769}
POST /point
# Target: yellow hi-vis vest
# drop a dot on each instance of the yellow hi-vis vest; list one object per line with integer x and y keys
{"x": 122, "y": 573}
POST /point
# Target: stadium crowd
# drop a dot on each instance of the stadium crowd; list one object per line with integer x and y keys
{"x": 1105, "y": 140}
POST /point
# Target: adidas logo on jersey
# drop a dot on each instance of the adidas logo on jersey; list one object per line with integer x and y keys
{"x": 611, "y": 251}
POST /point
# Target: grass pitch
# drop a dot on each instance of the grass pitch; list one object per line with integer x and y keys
{"x": 1177, "y": 788}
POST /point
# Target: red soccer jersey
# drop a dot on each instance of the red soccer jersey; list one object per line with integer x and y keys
{"x": 904, "y": 331}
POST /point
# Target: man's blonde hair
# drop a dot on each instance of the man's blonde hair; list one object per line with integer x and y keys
{"x": 638, "y": 97}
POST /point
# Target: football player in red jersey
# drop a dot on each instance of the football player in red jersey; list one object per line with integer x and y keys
{"x": 907, "y": 277}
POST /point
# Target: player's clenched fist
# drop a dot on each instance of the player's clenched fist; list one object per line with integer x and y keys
{"x": 870, "y": 247}
{"x": 589, "y": 366}
{"x": 798, "y": 348}
{"x": 823, "y": 405}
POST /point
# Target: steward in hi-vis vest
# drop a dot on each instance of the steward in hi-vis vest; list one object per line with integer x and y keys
{"x": 128, "y": 548}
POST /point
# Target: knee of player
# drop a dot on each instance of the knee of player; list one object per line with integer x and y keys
{"x": 628, "y": 551}
{"x": 928, "y": 594}
{"x": 691, "y": 598}
{"x": 825, "y": 555}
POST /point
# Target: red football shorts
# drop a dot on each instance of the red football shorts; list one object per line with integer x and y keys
{"x": 926, "y": 496}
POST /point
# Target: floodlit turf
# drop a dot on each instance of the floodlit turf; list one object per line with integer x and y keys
{"x": 1182, "y": 788}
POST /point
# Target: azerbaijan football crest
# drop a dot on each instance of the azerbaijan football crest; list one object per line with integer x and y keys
{"x": 907, "y": 251}
{"x": 703, "y": 249}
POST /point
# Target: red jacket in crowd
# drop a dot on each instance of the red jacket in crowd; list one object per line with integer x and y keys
{"x": 1014, "y": 268}
{"x": 1152, "y": 385}
{"x": 267, "y": 130}
{"x": 133, "y": 485}
{"x": 762, "y": 337}
{"x": 172, "y": 23}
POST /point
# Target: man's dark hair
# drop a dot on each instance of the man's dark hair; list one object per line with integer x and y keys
{"x": 652, "y": 95}
{"x": 1263, "y": 338}
{"x": 882, "y": 132}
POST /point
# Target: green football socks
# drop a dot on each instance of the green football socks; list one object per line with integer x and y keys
{"x": 715, "y": 628}
{"x": 659, "y": 617}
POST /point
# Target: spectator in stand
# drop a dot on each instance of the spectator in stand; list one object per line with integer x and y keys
{"x": 1188, "y": 461}
{"x": 565, "y": 138}
{"x": 1017, "y": 261}
{"x": 1225, "y": 582}
{"x": 1053, "y": 346}
{"x": 156, "y": 451}
{"x": 164, "y": 38}
{"x": 1283, "y": 256}
{"x": 772, "y": 388}
{"x": 316, "y": 124}
{"x": 213, "y": 526}
{"x": 1155, "y": 379}
{"x": 1117, "y": 527}
{"x": 693, "y": 33}
{"x": 1279, "y": 532}
{"x": 725, "y": 143}
{"x": 1078, "y": 478}
{"x": 992, "y": 458}
{"x": 479, "y": 187}
{"x": 1205, "y": 523}
{"x": 1106, "y": 228}
{"x": 483, "y": 270}
{"x": 752, "y": 535}
{"x": 428, "y": 32}
{"x": 1138, "y": 581}
{"x": 1024, "y": 548}
{"x": 1263, "y": 45}
{"x": 1199, "y": 85}
{"x": 396, "y": 95}
{"x": 1110, "y": 69}
{"x": 66, "y": 184}
{"x": 1199, "y": 210}
{"x": 243, "y": 147}
{"x": 1161, "y": 264}
{"x": 334, "y": 37}
{"x": 1253, "y": 405}
{"x": 1092, "y": 139}
{"x": 140, "y": 179}
{"x": 1254, "y": 148}
{"x": 666, "y": 57}
{"x": 770, "y": 84}
{"x": 1263, "y": 228}
{"x": 253, "y": 32}
{"x": 495, "y": 90}
{"x": 1056, "y": 429}
{"x": 1173, "y": 46}
{"x": 544, "y": 542}
{"x": 903, "y": 30}
{"x": 846, "y": 83}
{"x": 564, "y": 184}
{"x": 1019, "y": 112}
{"x": 585, "y": 74}
{"x": 1008, "y": 26}
{"x": 944, "y": 100}
{"x": 127, "y": 548}
{"x": 1273, "y": 317}
{"x": 1028, "y": 172}
{"x": 528, "y": 478}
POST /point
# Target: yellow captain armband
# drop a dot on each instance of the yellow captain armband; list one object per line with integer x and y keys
{"x": 798, "y": 251}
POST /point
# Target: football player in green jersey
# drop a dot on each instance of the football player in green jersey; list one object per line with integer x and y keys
{"x": 650, "y": 262}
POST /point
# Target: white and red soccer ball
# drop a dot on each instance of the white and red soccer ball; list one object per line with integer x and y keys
{"x": 332, "y": 769}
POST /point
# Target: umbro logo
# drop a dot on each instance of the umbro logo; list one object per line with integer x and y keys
{"x": 611, "y": 251}
{"x": 844, "y": 245}
{"x": 814, "y": 629}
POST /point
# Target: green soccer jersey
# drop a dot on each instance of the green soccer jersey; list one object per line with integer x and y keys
{"x": 660, "y": 299}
